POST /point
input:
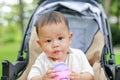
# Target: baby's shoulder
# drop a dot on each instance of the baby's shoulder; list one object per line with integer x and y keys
{"x": 74, "y": 50}
{"x": 42, "y": 55}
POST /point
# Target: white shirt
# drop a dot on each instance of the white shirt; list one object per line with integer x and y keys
{"x": 76, "y": 61}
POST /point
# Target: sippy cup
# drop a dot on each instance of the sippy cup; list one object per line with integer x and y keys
{"x": 62, "y": 71}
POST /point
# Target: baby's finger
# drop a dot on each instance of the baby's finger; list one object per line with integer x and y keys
{"x": 51, "y": 73}
{"x": 72, "y": 74}
{"x": 72, "y": 77}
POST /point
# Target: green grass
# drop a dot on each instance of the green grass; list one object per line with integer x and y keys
{"x": 9, "y": 52}
{"x": 117, "y": 58}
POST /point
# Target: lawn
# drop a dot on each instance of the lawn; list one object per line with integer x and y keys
{"x": 10, "y": 51}
{"x": 117, "y": 58}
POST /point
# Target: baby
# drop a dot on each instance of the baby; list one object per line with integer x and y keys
{"x": 55, "y": 39}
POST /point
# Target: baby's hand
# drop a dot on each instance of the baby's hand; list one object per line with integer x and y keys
{"x": 49, "y": 75}
{"x": 74, "y": 76}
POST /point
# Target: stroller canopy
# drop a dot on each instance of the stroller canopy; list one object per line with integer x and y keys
{"x": 84, "y": 20}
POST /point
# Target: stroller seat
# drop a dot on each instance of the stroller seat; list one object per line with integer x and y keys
{"x": 93, "y": 54}
{"x": 87, "y": 36}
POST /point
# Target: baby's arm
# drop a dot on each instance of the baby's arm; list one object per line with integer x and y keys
{"x": 82, "y": 76}
{"x": 50, "y": 73}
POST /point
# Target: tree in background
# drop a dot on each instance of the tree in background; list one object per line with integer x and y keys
{"x": 112, "y": 8}
{"x": 14, "y": 16}
{"x": 21, "y": 11}
{"x": 107, "y": 6}
{"x": 21, "y": 16}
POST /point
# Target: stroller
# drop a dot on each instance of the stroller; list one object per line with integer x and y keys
{"x": 87, "y": 21}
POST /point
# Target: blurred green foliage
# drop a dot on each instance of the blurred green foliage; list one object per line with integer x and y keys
{"x": 114, "y": 6}
{"x": 10, "y": 34}
{"x": 115, "y": 35}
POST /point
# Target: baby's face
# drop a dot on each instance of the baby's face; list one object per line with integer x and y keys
{"x": 55, "y": 40}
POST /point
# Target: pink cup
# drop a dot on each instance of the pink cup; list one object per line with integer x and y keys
{"x": 62, "y": 71}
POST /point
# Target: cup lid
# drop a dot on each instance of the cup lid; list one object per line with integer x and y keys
{"x": 61, "y": 66}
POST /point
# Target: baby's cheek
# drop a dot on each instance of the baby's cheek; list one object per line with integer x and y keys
{"x": 48, "y": 49}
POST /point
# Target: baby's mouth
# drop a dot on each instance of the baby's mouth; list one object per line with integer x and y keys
{"x": 56, "y": 52}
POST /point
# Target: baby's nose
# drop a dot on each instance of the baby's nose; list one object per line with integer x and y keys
{"x": 55, "y": 44}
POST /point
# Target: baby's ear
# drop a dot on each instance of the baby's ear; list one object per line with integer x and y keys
{"x": 38, "y": 42}
{"x": 70, "y": 37}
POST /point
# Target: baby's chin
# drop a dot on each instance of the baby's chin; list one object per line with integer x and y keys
{"x": 58, "y": 58}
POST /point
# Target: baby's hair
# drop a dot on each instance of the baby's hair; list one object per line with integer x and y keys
{"x": 49, "y": 18}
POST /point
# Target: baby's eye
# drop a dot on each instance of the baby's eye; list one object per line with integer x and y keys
{"x": 48, "y": 41}
{"x": 60, "y": 38}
